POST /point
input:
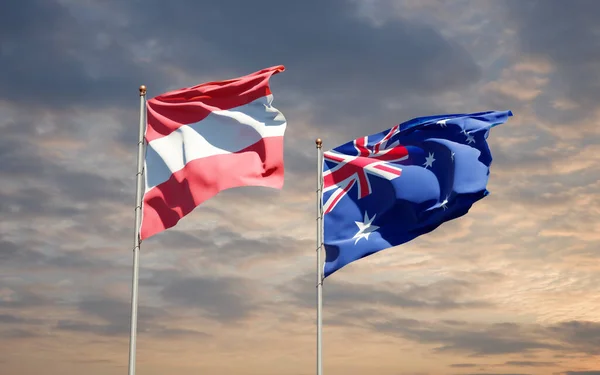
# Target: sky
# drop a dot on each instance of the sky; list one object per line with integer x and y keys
{"x": 510, "y": 288}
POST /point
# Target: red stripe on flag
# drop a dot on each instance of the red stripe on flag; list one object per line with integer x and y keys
{"x": 260, "y": 164}
{"x": 171, "y": 110}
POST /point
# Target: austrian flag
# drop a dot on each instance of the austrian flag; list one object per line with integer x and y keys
{"x": 204, "y": 139}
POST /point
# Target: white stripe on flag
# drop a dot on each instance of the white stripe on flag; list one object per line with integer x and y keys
{"x": 221, "y": 132}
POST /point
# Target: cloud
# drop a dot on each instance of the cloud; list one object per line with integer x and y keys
{"x": 336, "y": 58}
{"x": 82, "y": 63}
{"x": 529, "y": 364}
{"x": 353, "y": 300}
{"x": 47, "y": 187}
{"x": 570, "y": 45}
{"x": 114, "y": 316}
{"x": 585, "y": 336}
{"x": 464, "y": 365}
{"x": 505, "y": 364}
{"x": 481, "y": 340}
{"x": 226, "y": 299}
{"x": 336, "y": 50}
{"x": 10, "y": 319}
{"x": 495, "y": 339}
{"x": 18, "y": 326}
{"x": 24, "y": 255}
{"x": 17, "y": 333}
{"x": 223, "y": 245}
{"x": 20, "y": 297}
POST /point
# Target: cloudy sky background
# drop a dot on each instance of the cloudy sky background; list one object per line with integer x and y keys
{"x": 511, "y": 288}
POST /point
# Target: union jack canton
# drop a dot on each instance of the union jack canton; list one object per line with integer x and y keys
{"x": 350, "y": 169}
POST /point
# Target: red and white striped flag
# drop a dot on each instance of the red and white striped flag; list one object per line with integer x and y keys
{"x": 208, "y": 138}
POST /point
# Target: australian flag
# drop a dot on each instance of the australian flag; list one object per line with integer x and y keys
{"x": 388, "y": 188}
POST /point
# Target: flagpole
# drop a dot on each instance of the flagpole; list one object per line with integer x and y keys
{"x": 319, "y": 143}
{"x": 136, "y": 236}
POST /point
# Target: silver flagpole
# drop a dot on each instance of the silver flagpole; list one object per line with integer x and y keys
{"x": 319, "y": 143}
{"x": 136, "y": 235}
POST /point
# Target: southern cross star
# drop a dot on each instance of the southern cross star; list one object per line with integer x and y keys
{"x": 470, "y": 139}
{"x": 444, "y": 203}
{"x": 365, "y": 228}
{"x": 429, "y": 160}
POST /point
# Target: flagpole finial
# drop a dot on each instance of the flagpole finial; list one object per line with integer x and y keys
{"x": 142, "y": 90}
{"x": 319, "y": 142}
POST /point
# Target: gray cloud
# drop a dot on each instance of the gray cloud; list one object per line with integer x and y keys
{"x": 566, "y": 34}
{"x": 58, "y": 188}
{"x": 529, "y": 364}
{"x": 335, "y": 59}
{"x": 443, "y": 295}
{"x": 464, "y": 365}
{"x": 94, "y": 361}
{"x": 12, "y": 326}
{"x": 496, "y": 339}
{"x": 22, "y": 297}
{"x": 224, "y": 299}
{"x": 477, "y": 340}
{"x": 24, "y": 255}
{"x": 9, "y": 251}
{"x": 119, "y": 330}
{"x": 113, "y": 310}
{"x": 53, "y": 56}
{"x": 177, "y": 239}
{"x": 340, "y": 64}
{"x": 115, "y": 317}
{"x": 220, "y": 245}
{"x": 332, "y": 47}
{"x": 85, "y": 327}
{"x": 99, "y": 315}
{"x": 585, "y": 336}
{"x": 17, "y": 333}
{"x": 33, "y": 202}
{"x": 11, "y": 319}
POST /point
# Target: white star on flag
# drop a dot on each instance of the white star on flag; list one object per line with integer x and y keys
{"x": 429, "y": 160}
{"x": 365, "y": 228}
{"x": 444, "y": 203}
{"x": 470, "y": 138}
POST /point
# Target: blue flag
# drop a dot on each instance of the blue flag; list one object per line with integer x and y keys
{"x": 388, "y": 188}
